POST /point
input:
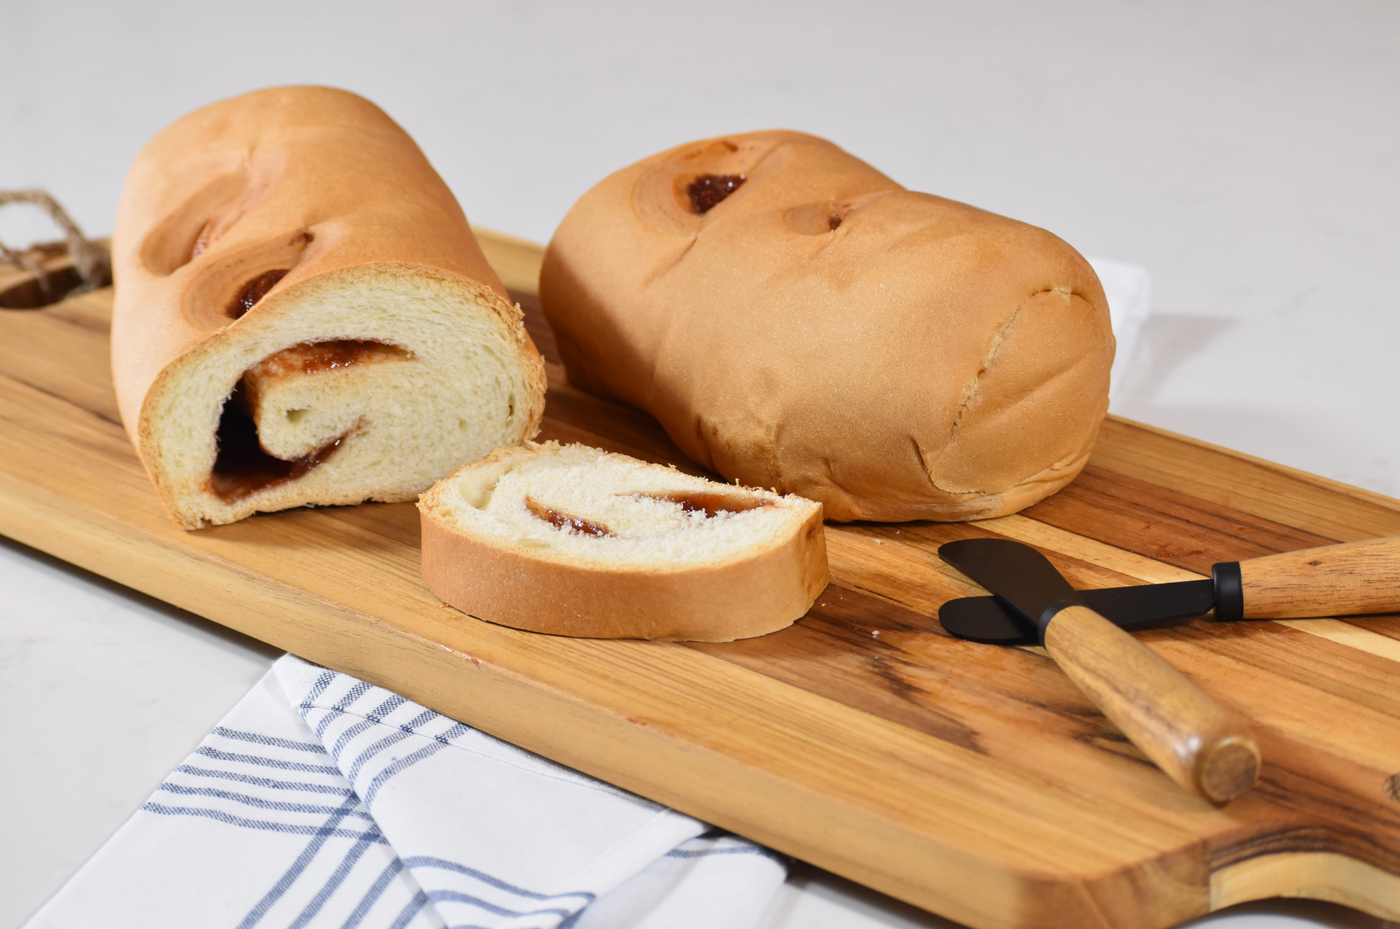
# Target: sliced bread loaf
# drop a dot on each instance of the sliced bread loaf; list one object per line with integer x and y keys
{"x": 303, "y": 315}
{"x": 576, "y": 541}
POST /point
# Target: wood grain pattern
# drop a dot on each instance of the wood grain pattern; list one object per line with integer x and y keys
{"x": 1335, "y": 580}
{"x": 1324, "y": 508}
{"x": 972, "y": 780}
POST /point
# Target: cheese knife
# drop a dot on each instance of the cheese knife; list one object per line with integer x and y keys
{"x": 1334, "y": 580}
{"x": 1198, "y": 743}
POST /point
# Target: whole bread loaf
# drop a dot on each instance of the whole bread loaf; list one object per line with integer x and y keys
{"x": 575, "y": 541}
{"x": 303, "y": 315}
{"x": 799, "y": 321}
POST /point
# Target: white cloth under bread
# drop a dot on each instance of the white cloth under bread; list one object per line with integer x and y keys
{"x": 1129, "y": 292}
{"x": 321, "y": 801}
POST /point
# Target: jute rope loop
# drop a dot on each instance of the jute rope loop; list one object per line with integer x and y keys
{"x": 90, "y": 260}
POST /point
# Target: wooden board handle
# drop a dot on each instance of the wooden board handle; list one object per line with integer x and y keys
{"x": 1199, "y": 744}
{"x": 1335, "y": 580}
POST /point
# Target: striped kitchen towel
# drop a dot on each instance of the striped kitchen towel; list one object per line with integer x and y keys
{"x": 321, "y": 800}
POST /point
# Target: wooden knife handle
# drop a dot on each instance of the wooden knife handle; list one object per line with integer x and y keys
{"x": 1335, "y": 580}
{"x": 1199, "y": 744}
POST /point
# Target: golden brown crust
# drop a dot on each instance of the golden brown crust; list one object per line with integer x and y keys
{"x": 313, "y": 180}
{"x": 546, "y": 592}
{"x": 823, "y": 331}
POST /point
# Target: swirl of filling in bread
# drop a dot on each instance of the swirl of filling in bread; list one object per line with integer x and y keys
{"x": 575, "y": 541}
{"x": 303, "y": 315}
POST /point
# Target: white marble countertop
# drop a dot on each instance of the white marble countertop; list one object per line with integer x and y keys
{"x": 1246, "y": 154}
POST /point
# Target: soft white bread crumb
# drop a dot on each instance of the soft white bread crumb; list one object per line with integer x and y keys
{"x": 445, "y": 380}
{"x": 577, "y": 541}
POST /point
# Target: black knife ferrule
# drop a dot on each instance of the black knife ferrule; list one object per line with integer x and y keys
{"x": 1229, "y": 591}
{"x": 1050, "y": 613}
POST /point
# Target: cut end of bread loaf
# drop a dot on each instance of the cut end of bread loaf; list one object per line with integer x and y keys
{"x": 367, "y": 384}
{"x": 572, "y": 540}
{"x": 302, "y": 313}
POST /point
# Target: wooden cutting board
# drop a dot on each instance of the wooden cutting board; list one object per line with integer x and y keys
{"x": 971, "y": 780}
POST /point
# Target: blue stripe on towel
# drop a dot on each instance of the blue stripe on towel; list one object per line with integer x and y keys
{"x": 427, "y": 861}
{"x": 270, "y": 741}
{"x": 422, "y": 719}
{"x": 419, "y": 901}
{"x": 456, "y": 730}
{"x": 403, "y": 763}
{"x": 387, "y": 707}
{"x": 404, "y": 732}
{"x": 350, "y": 733}
{"x": 572, "y": 920}
{"x": 412, "y": 726}
{"x": 353, "y": 694}
{"x": 456, "y": 896}
{"x": 332, "y": 884}
{"x": 373, "y": 717}
{"x": 371, "y": 834}
{"x": 320, "y": 686}
{"x": 373, "y": 750}
{"x": 289, "y": 877}
{"x": 264, "y": 781}
{"x": 376, "y": 890}
{"x": 218, "y": 755}
{"x": 706, "y": 852}
{"x": 262, "y": 804}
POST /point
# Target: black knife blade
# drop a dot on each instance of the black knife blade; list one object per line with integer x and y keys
{"x": 1017, "y": 574}
{"x": 988, "y": 619}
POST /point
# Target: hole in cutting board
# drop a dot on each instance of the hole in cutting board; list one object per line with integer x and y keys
{"x": 1392, "y": 787}
{"x": 60, "y": 278}
{"x": 35, "y": 292}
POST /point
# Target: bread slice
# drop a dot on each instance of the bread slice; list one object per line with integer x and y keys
{"x": 303, "y": 315}
{"x": 576, "y": 541}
